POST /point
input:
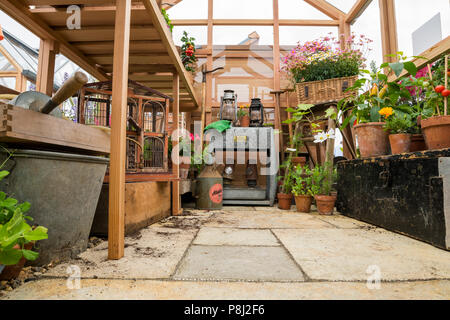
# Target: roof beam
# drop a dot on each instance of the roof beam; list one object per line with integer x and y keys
{"x": 358, "y": 8}
{"x": 254, "y": 22}
{"x": 22, "y": 15}
{"x": 326, "y": 8}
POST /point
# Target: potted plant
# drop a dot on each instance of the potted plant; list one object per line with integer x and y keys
{"x": 285, "y": 195}
{"x": 436, "y": 128}
{"x": 17, "y": 237}
{"x": 297, "y": 144}
{"x": 322, "y": 188}
{"x": 374, "y": 94}
{"x": 242, "y": 114}
{"x": 188, "y": 52}
{"x": 398, "y": 128}
{"x": 322, "y": 71}
{"x": 302, "y": 188}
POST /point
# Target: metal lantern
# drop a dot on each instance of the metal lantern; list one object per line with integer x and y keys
{"x": 256, "y": 113}
{"x": 228, "y": 106}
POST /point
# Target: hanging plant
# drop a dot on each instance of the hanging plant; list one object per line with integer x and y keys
{"x": 166, "y": 17}
{"x": 188, "y": 52}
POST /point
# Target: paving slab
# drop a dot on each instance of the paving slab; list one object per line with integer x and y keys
{"x": 346, "y": 254}
{"x": 235, "y": 237}
{"x": 342, "y": 222}
{"x": 238, "y": 263}
{"x": 153, "y": 253}
{"x": 238, "y": 208}
{"x": 190, "y": 290}
{"x": 266, "y": 220}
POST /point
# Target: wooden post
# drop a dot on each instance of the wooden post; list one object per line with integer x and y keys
{"x": 209, "y": 64}
{"x": 344, "y": 32}
{"x": 176, "y": 197}
{"x": 388, "y": 29}
{"x": 46, "y": 66}
{"x": 329, "y": 156}
{"x": 116, "y": 218}
{"x": 276, "y": 47}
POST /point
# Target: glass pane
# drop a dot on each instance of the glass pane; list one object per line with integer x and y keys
{"x": 291, "y": 35}
{"x": 8, "y": 82}
{"x": 408, "y": 21}
{"x": 200, "y": 33}
{"x": 238, "y": 9}
{"x": 369, "y": 25}
{"x": 297, "y": 9}
{"x": 343, "y": 5}
{"x": 5, "y": 65}
{"x": 189, "y": 9}
{"x": 240, "y": 35}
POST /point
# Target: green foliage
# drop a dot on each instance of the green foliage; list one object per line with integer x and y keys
{"x": 302, "y": 178}
{"x": 188, "y": 52}
{"x": 166, "y": 17}
{"x": 321, "y": 181}
{"x": 287, "y": 179}
{"x": 242, "y": 112}
{"x": 398, "y": 124}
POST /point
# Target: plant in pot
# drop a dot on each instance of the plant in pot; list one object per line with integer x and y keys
{"x": 302, "y": 188}
{"x": 188, "y": 52}
{"x": 436, "y": 126}
{"x": 285, "y": 195}
{"x": 242, "y": 114}
{"x": 17, "y": 237}
{"x": 322, "y": 71}
{"x": 374, "y": 94}
{"x": 323, "y": 178}
{"x": 398, "y": 128}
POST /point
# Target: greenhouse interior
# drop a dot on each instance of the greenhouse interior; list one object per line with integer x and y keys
{"x": 224, "y": 150}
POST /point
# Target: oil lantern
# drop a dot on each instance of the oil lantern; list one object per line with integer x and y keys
{"x": 228, "y": 106}
{"x": 256, "y": 113}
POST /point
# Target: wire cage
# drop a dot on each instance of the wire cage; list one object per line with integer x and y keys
{"x": 147, "y": 123}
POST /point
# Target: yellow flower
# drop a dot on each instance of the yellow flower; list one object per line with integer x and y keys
{"x": 386, "y": 112}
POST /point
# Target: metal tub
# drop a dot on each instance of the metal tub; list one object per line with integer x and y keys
{"x": 63, "y": 190}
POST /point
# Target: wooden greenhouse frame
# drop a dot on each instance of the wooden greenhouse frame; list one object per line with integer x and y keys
{"x": 129, "y": 40}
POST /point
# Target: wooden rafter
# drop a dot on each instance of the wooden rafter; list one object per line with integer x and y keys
{"x": 256, "y": 22}
{"x": 326, "y": 8}
{"x": 358, "y": 8}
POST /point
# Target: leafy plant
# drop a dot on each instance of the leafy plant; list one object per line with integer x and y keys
{"x": 188, "y": 52}
{"x": 242, "y": 111}
{"x": 398, "y": 124}
{"x": 302, "y": 177}
{"x": 321, "y": 182}
{"x": 287, "y": 179}
{"x": 166, "y": 17}
{"x": 324, "y": 59}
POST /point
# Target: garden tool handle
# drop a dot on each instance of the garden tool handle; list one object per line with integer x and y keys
{"x": 71, "y": 86}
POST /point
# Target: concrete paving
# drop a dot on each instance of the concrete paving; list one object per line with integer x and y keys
{"x": 253, "y": 253}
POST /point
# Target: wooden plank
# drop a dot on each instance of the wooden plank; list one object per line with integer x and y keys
{"x": 161, "y": 26}
{"x": 21, "y": 14}
{"x": 101, "y": 47}
{"x": 326, "y": 8}
{"x": 135, "y": 58}
{"x": 116, "y": 217}
{"x": 357, "y": 10}
{"x": 388, "y": 29}
{"x": 106, "y": 33}
{"x": 344, "y": 32}
{"x": 176, "y": 197}
{"x": 308, "y": 22}
{"x": 46, "y": 66}
{"x": 254, "y": 22}
{"x": 25, "y": 127}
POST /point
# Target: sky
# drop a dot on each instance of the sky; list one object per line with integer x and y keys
{"x": 411, "y": 14}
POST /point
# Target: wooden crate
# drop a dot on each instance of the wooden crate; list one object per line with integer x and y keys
{"x": 316, "y": 92}
{"x": 27, "y": 128}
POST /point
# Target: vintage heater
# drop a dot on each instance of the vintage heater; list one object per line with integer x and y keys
{"x": 228, "y": 106}
{"x": 256, "y": 113}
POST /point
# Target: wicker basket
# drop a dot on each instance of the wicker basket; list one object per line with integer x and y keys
{"x": 316, "y": 92}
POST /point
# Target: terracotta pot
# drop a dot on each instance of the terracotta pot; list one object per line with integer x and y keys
{"x": 284, "y": 201}
{"x": 373, "y": 141}
{"x": 400, "y": 143}
{"x": 12, "y": 272}
{"x": 244, "y": 121}
{"x": 299, "y": 161}
{"x": 417, "y": 143}
{"x": 325, "y": 204}
{"x": 303, "y": 203}
{"x": 437, "y": 132}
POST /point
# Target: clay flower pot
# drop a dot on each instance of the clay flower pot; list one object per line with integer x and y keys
{"x": 437, "y": 132}
{"x": 299, "y": 161}
{"x": 244, "y": 121}
{"x": 373, "y": 141}
{"x": 303, "y": 203}
{"x": 325, "y": 204}
{"x": 284, "y": 201}
{"x": 400, "y": 143}
{"x": 417, "y": 143}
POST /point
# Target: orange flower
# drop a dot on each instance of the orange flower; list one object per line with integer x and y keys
{"x": 386, "y": 112}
